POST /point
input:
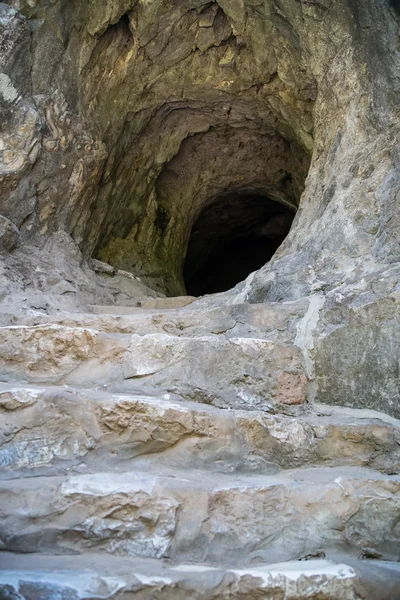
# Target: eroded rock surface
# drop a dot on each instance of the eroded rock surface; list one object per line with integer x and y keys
{"x": 180, "y": 445}
{"x": 122, "y": 578}
{"x": 128, "y": 124}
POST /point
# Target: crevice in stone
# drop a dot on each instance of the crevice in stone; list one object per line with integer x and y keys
{"x": 112, "y": 44}
{"x": 121, "y": 28}
{"x": 395, "y": 6}
{"x": 162, "y": 219}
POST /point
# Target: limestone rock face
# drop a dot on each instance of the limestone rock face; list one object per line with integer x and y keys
{"x": 146, "y": 112}
{"x": 9, "y": 235}
{"x": 128, "y": 125}
{"x": 184, "y": 443}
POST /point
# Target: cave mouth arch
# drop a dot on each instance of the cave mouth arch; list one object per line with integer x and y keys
{"x": 234, "y": 235}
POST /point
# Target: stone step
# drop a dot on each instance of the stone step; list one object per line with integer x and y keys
{"x": 98, "y": 577}
{"x": 272, "y": 321}
{"x": 52, "y": 430}
{"x": 205, "y": 517}
{"x": 239, "y": 372}
{"x": 171, "y": 303}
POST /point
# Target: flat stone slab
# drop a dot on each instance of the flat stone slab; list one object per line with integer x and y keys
{"x": 99, "y": 577}
{"x": 143, "y": 304}
{"x": 237, "y": 372}
{"x": 272, "y": 321}
{"x": 203, "y": 516}
{"x": 48, "y": 430}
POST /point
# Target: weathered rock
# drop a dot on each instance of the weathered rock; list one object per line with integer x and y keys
{"x": 54, "y": 429}
{"x": 148, "y": 115}
{"x": 9, "y": 235}
{"x": 251, "y": 372}
{"x": 274, "y": 321}
{"x": 356, "y": 350}
{"x": 113, "y": 577}
{"x": 218, "y": 518}
{"x": 155, "y": 148}
{"x": 161, "y": 109}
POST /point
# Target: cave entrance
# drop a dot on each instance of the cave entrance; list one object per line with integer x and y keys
{"x": 234, "y": 235}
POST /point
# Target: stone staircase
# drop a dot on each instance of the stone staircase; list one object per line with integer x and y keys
{"x": 169, "y": 453}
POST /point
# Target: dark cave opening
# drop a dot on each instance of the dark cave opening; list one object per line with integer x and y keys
{"x": 234, "y": 235}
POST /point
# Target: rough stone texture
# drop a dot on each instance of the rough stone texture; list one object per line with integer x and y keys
{"x": 227, "y": 431}
{"x": 140, "y": 514}
{"x": 143, "y": 90}
{"x": 124, "y": 120}
{"x": 158, "y": 477}
{"x": 50, "y": 430}
{"x": 144, "y": 579}
{"x": 357, "y": 341}
{"x": 176, "y": 355}
{"x": 9, "y": 235}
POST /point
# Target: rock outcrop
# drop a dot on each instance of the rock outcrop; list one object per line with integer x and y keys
{"x": 241, "y": 444}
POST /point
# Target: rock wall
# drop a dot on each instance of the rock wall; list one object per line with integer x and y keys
{"x": 121, "y": 121}
{"x": 167, "y": 448}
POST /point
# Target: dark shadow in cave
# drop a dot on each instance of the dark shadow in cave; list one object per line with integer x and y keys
{"x": 233, "y": 236}
{"x": 121, "y": 28}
